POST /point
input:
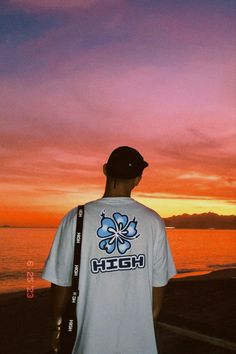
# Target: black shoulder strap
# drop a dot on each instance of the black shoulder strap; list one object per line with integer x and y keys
{"x": 77, "y": 255}
{"x": 69, "y": 320}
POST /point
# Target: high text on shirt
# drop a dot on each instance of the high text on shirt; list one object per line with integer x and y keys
{"x": 111, "y": 264}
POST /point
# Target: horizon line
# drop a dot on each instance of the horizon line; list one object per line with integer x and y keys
{"x": 55, "y": 226}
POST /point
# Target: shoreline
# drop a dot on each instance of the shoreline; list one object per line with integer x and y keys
{"x": 226, "y": 273}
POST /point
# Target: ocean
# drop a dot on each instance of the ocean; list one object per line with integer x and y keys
{"x": 24, "y": 251}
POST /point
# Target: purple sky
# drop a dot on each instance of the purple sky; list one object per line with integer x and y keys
{"x": 80, "y": 78}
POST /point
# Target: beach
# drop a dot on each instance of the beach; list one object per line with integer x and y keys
{"x": 201, "y": 304}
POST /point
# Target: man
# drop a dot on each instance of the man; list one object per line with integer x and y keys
{"x": 125, "y": 265}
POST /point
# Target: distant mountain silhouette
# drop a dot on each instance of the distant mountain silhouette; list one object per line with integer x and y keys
{"x": 184, "y": 221}
{"x": 201, "y": 221}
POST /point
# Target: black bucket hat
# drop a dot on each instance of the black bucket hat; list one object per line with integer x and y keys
{"x": 125, "y": 162}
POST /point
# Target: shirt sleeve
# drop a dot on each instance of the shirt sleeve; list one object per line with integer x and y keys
{"x": 58, "y": 266}
{"x": 163, "y": 263}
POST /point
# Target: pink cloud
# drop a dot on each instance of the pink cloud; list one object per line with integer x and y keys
{"x": 56, "y": 4}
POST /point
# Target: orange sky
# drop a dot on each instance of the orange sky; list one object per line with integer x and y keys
{"x": 80, "y": 79}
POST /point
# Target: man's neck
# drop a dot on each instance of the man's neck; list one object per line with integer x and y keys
{"x": 115, "y": 194}
{"x": 115, "y": 189}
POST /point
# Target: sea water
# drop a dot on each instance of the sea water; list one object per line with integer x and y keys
{"x": 24, "y": 251}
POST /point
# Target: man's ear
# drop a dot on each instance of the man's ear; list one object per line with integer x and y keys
{"x": 105, "y": 169}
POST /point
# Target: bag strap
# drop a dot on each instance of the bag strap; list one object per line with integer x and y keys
{"x": 77, "y": 255}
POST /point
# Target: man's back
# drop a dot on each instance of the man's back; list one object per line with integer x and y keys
{"x": 124, "y": 254}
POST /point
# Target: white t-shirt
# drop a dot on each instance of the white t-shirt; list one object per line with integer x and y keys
{"x": 124, "y": 254}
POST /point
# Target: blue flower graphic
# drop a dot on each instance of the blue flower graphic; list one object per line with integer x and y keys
{"x": 116, "y": 233}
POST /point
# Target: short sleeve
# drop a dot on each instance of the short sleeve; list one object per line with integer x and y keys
{"x": 59, "y": 264}
{"x": 163, "y": 263}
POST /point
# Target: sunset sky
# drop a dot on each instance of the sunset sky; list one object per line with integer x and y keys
{"x": 79, "y": 78}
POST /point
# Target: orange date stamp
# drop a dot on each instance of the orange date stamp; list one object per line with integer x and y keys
{"x": 30, "y": 280}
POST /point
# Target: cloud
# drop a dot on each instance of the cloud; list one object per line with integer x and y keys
{"x": 55, "y": 4}
{"x": 196, "y": 175}
{"x": 172, "y": 196}
{"x": 67, "y": 125}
